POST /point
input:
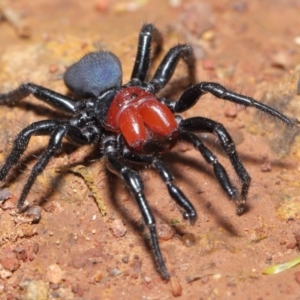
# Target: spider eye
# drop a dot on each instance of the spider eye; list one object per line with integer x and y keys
{"x": 93, "y": 74}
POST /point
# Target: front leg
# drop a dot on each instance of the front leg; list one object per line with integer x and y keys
{"x": 149, "y": 35}
{"x": 50, "y": 97}
{"x": 190, "y": 97}
{"x": 169, "y": 63}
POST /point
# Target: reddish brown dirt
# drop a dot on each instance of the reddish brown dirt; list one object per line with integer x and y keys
{"x": 76, "y": 253}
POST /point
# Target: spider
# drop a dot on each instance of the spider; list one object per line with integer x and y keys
{"x": 130, "y": 123}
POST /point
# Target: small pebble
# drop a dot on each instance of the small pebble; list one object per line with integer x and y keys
{"x": 164, "y": 231}
{"x": 8, "y": 204}
{"x": 146, "y": 176}
{"x": 208, "y": 35}
{"x": 115, "y": 272}
{"x": 4, "y": 194}
{"x": 55, "y": 274}
{"x": 277, "y": 181}
{"x": 183, "y": 147}
{"x": 266, "y": 167}
{"x": 53, "y": 68}
{"x": 205, "y": 279}
{"x": 136, "y": 266}
{"x": 125, "y": 259}
{"x": 147, "y": 279}
{"x": 36, "y": 248}
{"x": 176, "y": 287}
{"x": 21, "y": 253}
{"x": 240, "y": 6}
{"x": 175, "y": 3}
{"x": 291, "y": 245}
{"x": 189, "y": 239}
{"x": 34, "y": 213}
{"x": 118, "y": 229}
{"x": 280, "y": 60}
{"x": 297, "y": 277}
{"x": 269, "y": 256}
{"x": 75, "y": 288}
{"x": 208, "y": 64}
{"x": 98, "y": 276}
{"x": 230, "y": 112}
{"x": 4, "y": 274}
{"x": 36, "y": 289}
{"x": 54, "y": 286}
{"x": 10, "y": 263}
{"x": 297, "y": 40}
{"x": 102, "y": 5}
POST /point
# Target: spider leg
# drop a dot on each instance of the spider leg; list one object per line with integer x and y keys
{"x": 148, "y": 35}
{"x": 53, "y": 147}
{"x": 22, "y": 140}
{"x": 192, "y": 95}
{"x": 52, "y": 98}
{"x": 135, "y": 185}
{"x": 201, "y": 124}
{"x": 168, "y": 65}
{"x": 210, "y": 158}
{"x": 178, "y": 196}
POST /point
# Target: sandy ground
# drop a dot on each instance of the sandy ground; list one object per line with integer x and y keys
{"x": 75, "y": 252}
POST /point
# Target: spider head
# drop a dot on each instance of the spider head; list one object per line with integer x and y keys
{"x": 93, "y": 74}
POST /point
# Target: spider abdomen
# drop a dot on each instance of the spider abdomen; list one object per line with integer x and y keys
{"x": 93, "y": 74}
{"x": 143, "y": 120}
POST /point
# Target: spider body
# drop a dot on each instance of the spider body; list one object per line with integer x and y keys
{"x": 131, "y": 123}
{"x": 142, "y": 120}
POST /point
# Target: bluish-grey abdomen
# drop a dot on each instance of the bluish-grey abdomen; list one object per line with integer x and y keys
{"x": 93, "y": 74}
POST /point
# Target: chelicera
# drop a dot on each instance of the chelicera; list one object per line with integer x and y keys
{"x": 130, "y": 123}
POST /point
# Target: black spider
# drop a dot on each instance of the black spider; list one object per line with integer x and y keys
{"x": 131, "y": 123}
